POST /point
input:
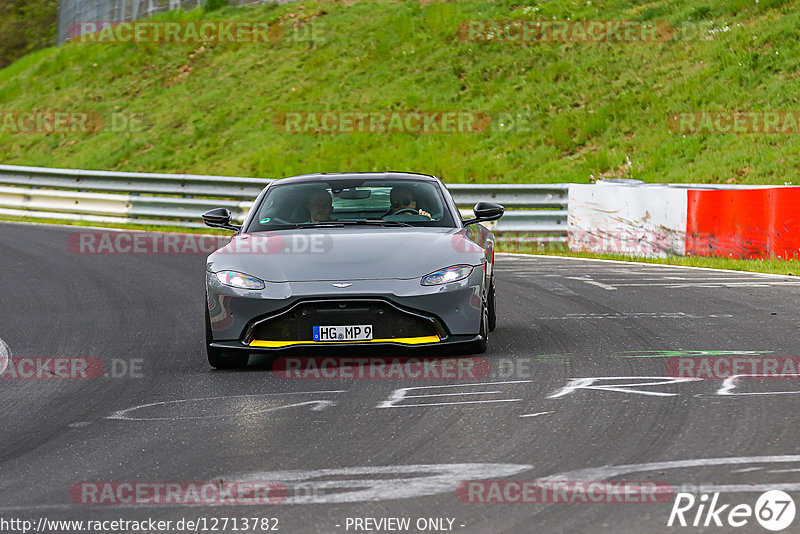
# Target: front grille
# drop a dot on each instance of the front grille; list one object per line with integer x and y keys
{"x": 387, "y": 322}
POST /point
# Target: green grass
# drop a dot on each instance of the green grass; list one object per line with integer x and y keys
{"x": 126, "y": 226}
{"x": 774, "y": 266}
{"x": 588, "y": 106}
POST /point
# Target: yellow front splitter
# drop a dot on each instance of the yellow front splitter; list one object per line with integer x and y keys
{"x": 401, "y": 340}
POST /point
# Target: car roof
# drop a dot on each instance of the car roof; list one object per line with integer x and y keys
{"x": 325, "y": 176}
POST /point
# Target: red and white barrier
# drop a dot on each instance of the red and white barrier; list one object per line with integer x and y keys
{"x": 662, "y": 220}
{"x": 627, "y": 219}
{"x": 744, "y": 223}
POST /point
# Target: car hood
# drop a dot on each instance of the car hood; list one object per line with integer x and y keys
{"x": 363, "y": 253}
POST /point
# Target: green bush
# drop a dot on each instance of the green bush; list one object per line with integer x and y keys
{"x": 213, "y": 5}
{"x": 26, "y": 26}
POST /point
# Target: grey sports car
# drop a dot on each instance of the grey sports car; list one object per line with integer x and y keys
{"x": 325, "y": 260}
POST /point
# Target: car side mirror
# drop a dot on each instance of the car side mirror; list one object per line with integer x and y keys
{"x": 484, "y": 212}
{"x": 220, "y": 218}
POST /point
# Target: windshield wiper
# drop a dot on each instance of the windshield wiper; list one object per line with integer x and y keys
{"x": 381, "y": 222}
{"x": 322, "y": 224}
{"x": 351, "y": 222}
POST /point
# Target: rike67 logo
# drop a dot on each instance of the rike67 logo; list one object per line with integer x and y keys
{"x": 774, "y": 510}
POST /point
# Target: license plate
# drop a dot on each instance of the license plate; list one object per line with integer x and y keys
{"x": 359, "y": 332}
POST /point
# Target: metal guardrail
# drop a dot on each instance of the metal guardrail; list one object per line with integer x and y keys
{"x": 72, "y": 12}
{"x": 179, "y": 199}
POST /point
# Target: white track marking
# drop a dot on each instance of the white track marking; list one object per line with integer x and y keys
{"x": 729, "y": 384}
{"x": 601, "y": 284}
{"x": 340, "y": 485}
{"x": 535, "y": 414}
{"x": 449, "y": 403}
{"x": 634, "y": 315}
{"x": 399, "y": 395}
{"x": 607, "y": 472}
{"x": 555, "y": 287}
{"x": 747, "y": 470}
{"x": 590, "y": 383}
{"x": 761, "y": 283}
{"x": 677, "y": 279}
{"x": 366, "y": 484}
{"x": 654, "y": 266}
{"x": 317, "y": 406}
{"x": 5, "y": 354}
{"x": 450, "y": 394}
{"x": 124, "y": 415}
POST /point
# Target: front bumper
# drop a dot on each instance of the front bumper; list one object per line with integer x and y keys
{"x": 450, "y": 342}
{"x": 454, "y": 308}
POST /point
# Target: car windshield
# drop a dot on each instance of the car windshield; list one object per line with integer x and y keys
{"x": 343, "y": 202}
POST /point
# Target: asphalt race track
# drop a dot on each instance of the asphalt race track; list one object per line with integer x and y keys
{"x": 372, "y": 448}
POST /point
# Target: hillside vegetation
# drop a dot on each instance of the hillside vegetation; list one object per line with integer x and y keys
{"x": 25, "y": 26}
{"x": 560, "y": 111}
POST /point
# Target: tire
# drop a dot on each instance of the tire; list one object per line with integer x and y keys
{"x": 480, "y": 346}
{"x": 492, "y": 303}
{"x": 226, "y": 359}
{"x": 221, "y": 358}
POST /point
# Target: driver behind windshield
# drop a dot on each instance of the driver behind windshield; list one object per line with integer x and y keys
{"x": 320, "y": 206}
{"x": 402, "y": 201}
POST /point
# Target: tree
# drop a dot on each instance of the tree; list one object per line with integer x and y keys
{"x": 26, "y": 26}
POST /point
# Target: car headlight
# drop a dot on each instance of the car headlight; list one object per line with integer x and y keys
{"x": 445, "y": 276}
{"x": 242, "y": 281}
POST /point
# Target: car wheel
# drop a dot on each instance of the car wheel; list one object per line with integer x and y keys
{"x": 226, "y": 359}
{"x": 480, "y": 346}
{"x": 221, "y": 358}
{"x": 492, "y": 307}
